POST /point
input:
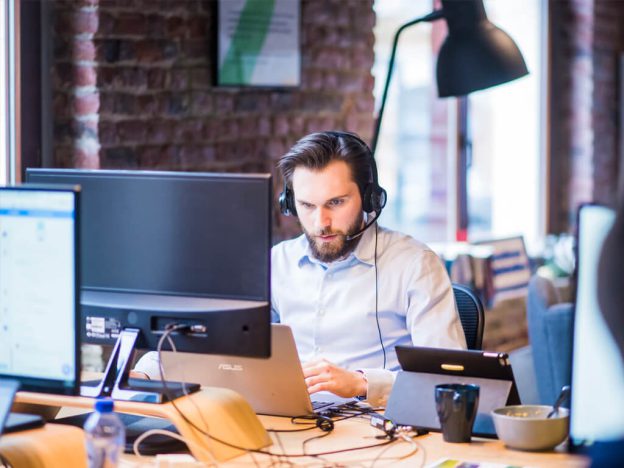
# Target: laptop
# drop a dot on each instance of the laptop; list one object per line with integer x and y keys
{"x": 13, "y": 422}
{"x": 274, "y": 386}
{"x": 412, "y": 400}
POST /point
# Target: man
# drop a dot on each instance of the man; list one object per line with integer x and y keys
{"x": 350, "y": 290}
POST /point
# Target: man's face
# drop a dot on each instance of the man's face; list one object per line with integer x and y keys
{"x": 329, "y": 207}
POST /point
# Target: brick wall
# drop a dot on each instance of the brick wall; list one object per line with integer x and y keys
{"x": 133, "y": 88}
{"x": 585, "y": 43}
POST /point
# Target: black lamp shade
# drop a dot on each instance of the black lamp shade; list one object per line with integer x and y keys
{"x": 476, "y": 54}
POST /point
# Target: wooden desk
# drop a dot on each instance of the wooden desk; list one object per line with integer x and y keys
{"x": 358, "y": 432}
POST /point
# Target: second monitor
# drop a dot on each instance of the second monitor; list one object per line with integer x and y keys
{"x": 172, "y": 247}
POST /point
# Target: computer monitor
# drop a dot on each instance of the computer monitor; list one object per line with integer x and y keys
{"x": 39, "y": 288}
{"x": 173, "y": 247}
{"x": 597, "y": 406}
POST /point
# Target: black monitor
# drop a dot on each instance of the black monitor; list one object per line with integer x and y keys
{"x": 39, "y": 288}
{"x": 597, "y": 406}
{"x": 171, "y": 247}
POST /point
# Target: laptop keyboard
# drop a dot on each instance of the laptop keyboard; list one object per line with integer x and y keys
{"x": 316, "y": 405}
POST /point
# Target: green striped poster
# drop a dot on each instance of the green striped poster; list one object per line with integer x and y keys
{"x": 259, "y": 43}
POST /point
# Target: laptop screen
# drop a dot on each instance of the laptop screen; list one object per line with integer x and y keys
{"x": 597, "y": 406}
{"x": 7, "y": 393}
{"x": 38, "y": 292}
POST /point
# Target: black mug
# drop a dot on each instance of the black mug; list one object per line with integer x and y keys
{"x": 456, "y": 405}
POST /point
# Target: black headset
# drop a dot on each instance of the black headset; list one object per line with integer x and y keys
{"x": 373, "y": 196}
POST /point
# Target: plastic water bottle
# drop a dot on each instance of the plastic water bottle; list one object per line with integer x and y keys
{"x": 105, "y": 435}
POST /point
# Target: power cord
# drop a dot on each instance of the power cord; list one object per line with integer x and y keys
{"x": 179, "y": 327}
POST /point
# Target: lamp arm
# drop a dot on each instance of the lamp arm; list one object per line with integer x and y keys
{"x": 435, "y": 15}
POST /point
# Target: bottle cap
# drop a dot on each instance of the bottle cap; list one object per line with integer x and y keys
{"x": 104, "y": 405}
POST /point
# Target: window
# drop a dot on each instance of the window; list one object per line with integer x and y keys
{"x": 8, "y": 13}
{"x": 413, "y": 155}
{"x": 417, "y": 150}
{"x": 505, "y": 189}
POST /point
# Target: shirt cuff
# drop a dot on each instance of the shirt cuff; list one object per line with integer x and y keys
{"x": 380, "y": 383}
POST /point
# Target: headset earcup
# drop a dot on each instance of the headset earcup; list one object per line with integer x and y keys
{"x": 287, "y": 203}
{"x": 374, "y": 198}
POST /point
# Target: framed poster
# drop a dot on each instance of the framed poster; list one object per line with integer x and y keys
{"x": 258, "y": 43}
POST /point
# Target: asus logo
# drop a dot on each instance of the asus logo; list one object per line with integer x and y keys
{"x": 231, "y": 367}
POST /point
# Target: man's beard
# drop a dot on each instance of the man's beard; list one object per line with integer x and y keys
{"x": 339, "y": 247}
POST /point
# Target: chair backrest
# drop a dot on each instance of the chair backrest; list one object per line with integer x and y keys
{"x": 471, "y": 315}
{"x": 549, "y": 323}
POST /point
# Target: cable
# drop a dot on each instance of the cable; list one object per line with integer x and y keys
{"x": 178, "y": 327}
{"x": 383, "y": 349}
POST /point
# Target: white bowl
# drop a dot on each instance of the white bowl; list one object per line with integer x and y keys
{"x": 525, "y": 427}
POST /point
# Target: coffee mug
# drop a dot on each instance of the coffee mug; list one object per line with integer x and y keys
{"x": 456, "y": 405}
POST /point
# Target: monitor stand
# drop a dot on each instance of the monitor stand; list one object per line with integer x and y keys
{"x": 117, "y": 384}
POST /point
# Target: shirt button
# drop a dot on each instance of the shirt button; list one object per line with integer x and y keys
{"x": 321, "y": 312}
{"x": 317, "y": 349}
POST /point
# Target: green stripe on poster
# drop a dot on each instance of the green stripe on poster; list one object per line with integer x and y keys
{"x": 247, "y": 41}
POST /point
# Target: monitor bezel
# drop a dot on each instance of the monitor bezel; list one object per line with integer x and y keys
{"x": 43, "y": 385}
{"x": 579, "y": 446}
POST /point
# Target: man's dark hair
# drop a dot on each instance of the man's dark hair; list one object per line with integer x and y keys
{"x": 317, "y": 150}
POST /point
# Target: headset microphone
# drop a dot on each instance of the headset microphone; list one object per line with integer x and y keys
{"x": 361, "y": 231}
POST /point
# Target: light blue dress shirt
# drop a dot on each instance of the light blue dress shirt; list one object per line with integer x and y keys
{"x": 331, "y": 306}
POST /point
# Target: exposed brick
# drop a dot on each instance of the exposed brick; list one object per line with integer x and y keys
{"x": 86, "y": 159}
{"x": 84, "y": 75}
{"x": 224, "y": 103}
{"x": 148, "y": 104}
{"x": 159, "y": 107}
{"x": 197, "y": 27}
{"x": 156, "y": 78}
{"x": 201, "y": 103}
{"x": 132, "y": 131}
{"x": 85, "y": 22}
{"x": 159, "y": 131}
{"x": 83, "y": 50}
{"x": 107, "y": 133}
{"x": 195, "y": 49}
{"x": 125, "y": 104}
{"x": 85, "y": 105}
{"x": 119, "y": 158}
{"x": 179, "y": 79}
{"x": 149, "y": 51}
{"x": 106, "y": 24}
{"x": 175, "y": 26}
{"x": 200, "y": 77}
{"x": 280, "y": 126}
{"x": 156, "y": 24}
{"x": 131, "y": 24}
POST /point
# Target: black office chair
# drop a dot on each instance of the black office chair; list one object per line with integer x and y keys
{"x": 471, "y": 315}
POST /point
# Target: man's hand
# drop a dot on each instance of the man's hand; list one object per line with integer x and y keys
{"x": 322, "y": 375}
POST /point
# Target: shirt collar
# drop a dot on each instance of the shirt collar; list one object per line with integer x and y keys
{"x": 364, "y": 252}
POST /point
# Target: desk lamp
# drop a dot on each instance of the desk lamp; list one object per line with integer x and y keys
{"x": 475, "y": 55}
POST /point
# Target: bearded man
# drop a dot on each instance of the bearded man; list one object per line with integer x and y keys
{"x": 351, "y": 290}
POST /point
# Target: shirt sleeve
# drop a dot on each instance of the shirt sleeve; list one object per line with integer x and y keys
{"x": 432, "y": 318}
{"x": 148, "y": 365}
{"x": 379, "y": 385}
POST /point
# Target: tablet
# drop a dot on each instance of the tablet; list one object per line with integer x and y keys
{"x": 412, "y": 400}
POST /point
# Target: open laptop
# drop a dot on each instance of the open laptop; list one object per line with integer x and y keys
{"x": 13, "y": 422}
{"x": 273, "y": 386}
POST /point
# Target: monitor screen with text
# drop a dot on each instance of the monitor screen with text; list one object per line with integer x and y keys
{"x": 38, "y": 288}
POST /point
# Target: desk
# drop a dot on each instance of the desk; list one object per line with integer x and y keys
{"x": 63, "y": 446}
{"x": 358, "y": 432}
